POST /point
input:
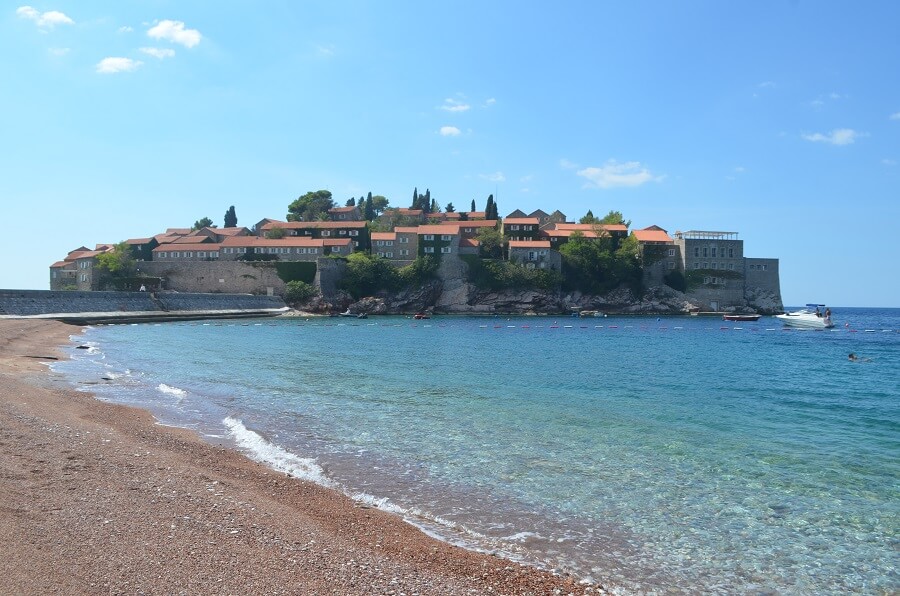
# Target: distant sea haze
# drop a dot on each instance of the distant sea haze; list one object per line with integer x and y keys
{"x": 682, "y": 454}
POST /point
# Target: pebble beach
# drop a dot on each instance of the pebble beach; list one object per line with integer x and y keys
{"x": 99, "y": 498}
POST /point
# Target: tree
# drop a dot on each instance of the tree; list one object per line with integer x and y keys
{"x": 202, "y": 223}
{"x": 450, "y": 208}
{"x": 434, "y": 207}
{"x": 311, "y": 206}
{"x": 379, "y": 204}
{"x": 615, "y": 217}
{"x": 275, "y": 233}
{"x": 490, "y": 210}
{"x": 298, "y": 292}
{"x": 588, "y": 218}
{"x": 230, "y": 218}
{"x": 473, "y": 206}
{"x": 415, "y": 202}
{"x": 116, "y": 263}
{"x": 369, "y": 208}
{"x": 351, "y": 202}
{"x": 490, "y": 243}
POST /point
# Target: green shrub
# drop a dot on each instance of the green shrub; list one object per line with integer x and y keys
{"x": 298, "y": 292}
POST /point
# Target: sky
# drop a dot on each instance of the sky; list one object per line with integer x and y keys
{"x": 778, "y": 120}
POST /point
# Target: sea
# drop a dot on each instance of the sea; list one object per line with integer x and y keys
{"x": 651, "y": 455}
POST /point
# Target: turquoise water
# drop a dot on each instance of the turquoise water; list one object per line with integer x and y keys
{"x": 650, "y": 455}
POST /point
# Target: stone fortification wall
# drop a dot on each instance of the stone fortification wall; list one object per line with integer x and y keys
{"x": 328, "y": 276}
{"x": 233, "y": 277}
{"x": 193, "y": 302}
{"x": 39, "y": 302}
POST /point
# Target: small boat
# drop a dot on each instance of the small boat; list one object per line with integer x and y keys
{"x": 347, "y": 313}
{"x": 421, "y": 315}
{"x": 739, "y": 317}
{"x": 362, "y": 315}
{"x": 814, "y": 316}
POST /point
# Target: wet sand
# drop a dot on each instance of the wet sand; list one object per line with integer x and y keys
{"x": 98, "y": 498}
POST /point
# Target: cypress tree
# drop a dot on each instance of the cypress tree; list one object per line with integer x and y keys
{"x": 351, "y": 202}
{"x": 415, "y": 199}
{"x": 230, "y": 218}
{"x": 369, "y": 211}
{"x": 473, "y": 205}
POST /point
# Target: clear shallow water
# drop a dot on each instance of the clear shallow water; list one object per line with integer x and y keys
{"x": 651, "y": 455}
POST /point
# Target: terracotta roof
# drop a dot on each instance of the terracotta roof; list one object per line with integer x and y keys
{"x": 439, "y": 229}
{"x": 287, "y": 241}
{"x": 84, "y": 254}
{"x": 384, "y": 235}
{"x": 138, "y": 240}
{"x": 471, "y": 242}
{"x": 235, "y": 231}
{"x": 529, "y": 244}
{"x": 451, "y": 215}
{"x": 404, "y": 211}
{"x": 586, "y": 227}
{"x": 652, "y": 236}
{"x": 191, "y": 240}
{"x": 310, "y": 225}
{"x": 336, "y": 241}
{"x": 186, "y": 246}
{"x": 522, "y": 221}
{"x": 178, "y": 231}
{"x": 478, "y": 223}
{"x": 60, "y": 264}
{"x": 406, "y": 229}
{"x": 343, "y": 209}
{"x": 476, "y": 214}
{"x": 567, "y": 233}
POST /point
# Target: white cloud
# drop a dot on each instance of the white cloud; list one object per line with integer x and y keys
{"x": 454, "y": 105}
{"x": 175, "y": 32}
{"x": 113, "y": 65}
{"x": 449, "y": 131}
{"x": 495, "y": 177}
{"x": 614, "y": 174}
{"x": 325, "y": 51}
{"x": 59, "y": 51}
{"x": 48, "y": 19}
{"x": 568, "y": 165}
{"x": 766, "y": 84}
{"x": 838, "y": 136}
{"x": 895, "y": 116}
{"x": 125, "y": 29}
{"x": 158, "y": 52}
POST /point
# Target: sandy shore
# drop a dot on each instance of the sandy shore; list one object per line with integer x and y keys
{"x": 96, "y": 498}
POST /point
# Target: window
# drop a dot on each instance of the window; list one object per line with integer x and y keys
{"x": 404, "y": 240}
{"x": 445, "y": 249}
{"x": 446, "y": 237}
{"x": 175, "y": 255}
{"x": 706, "y": 265}
{"x": 389, "y": 243}
{"x": 671, "y": 264}
{"x": 404, "y": 252}
{"x": 730, "y": 253}
{"x": 326, "y": 233}
{"x": 389, "y": 255}
{"x": 713, "y": 249}
{"x": 201, "y": 254}
{"x": 381, "y": 254}
{"x": 344, "y": 233}
{"x": 379, "y": 243}
{"x": 671, "y": 252}
{"x": 696, "y": 265}
{"x": 428, "y": 237}
{"x": 84, "y": 277}
{"x": 354, "y": 232}
{"x": 763, "y": 267}
{"x": 731, "y": 266}
{"x": 469, "y": 229}
{"x": 513, "y": 227}
{"x": 705, "y": 252}
{"x": 696, "y": 251}
{"x": 713, "y": 265}
{"x": 429, "y": 249}
{"x": 213, "y": 255}
{"x": 313, "y": 251}
{"x": 335, "y": 249}
{"x": 162, "y": 255}
{"x": 706, "y": 279}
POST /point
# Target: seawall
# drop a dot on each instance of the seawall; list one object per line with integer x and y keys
{"x": 82, "y": 308}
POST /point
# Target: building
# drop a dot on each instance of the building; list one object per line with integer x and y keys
{"x": 356, "y": 231}
{"x": 345, "y": 214}
{"x": 521, "y": 228}
{"x": 436, "y": 240}
{"x": 534, "y": 254}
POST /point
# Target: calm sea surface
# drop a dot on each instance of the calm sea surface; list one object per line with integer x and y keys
{"x": 652, "y": 455}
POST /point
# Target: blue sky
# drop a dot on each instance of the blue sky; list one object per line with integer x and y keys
{"x": 779, "y": 120}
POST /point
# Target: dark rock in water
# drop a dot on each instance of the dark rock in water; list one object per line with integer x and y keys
{"x": 83, "y": 348}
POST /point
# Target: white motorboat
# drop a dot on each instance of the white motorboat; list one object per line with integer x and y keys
{"x": 814, "y": 316}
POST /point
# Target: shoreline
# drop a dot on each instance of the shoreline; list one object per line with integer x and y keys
{"x": 100, "y": 497}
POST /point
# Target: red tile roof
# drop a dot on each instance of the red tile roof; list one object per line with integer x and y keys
{"x": 529, "y": 244}
{"x": 522, "y": 221}
{"x": 438, "y": 229}
{"x": 187, "y": 246}
{"x": 470, "y": 242}
{"x": 384, "y": 235}
{"x": 138, "y": 240}
{"x": 309, "y": 225}
{"x": 476, "y": 214}
{"x": 586, "y": 227}
{"x": 406, "y": 229}
{"x": 478, "y": 223}
{"x": 287, "y": 241}
{"x": 652, "y": 236}
{"x": 343, "y": 209}
{"x": 567, "y": 233}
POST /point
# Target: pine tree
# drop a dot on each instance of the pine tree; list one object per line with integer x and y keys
{"x": 369, "y": 211}
{"x": 426, "y": 201}
{"x": 449, "y": 208}
{"x": 351, "y": 202}
{"x": 415, "y": 198}
{"x": 230, "y": 218}
{"x": 488, "y": 208}
{"x": 473, "y": 205}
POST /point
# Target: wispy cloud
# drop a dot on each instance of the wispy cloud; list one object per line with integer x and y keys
{"x": 568, "y": 165}
{"x": 766, "y": 84}
{"x": 495, "y": 177}
{"x": 614, "y": 174}
{"x": 489, "y": 102}
{"x": 454, "y": 105}
{"x": 159, "y": 52}
{"x": 449, "y": 131}
{"x": 175, "y": 32}
{"x": 895, "y": 116}
{"x": 888, "y": 162}
{"x": 115, "y": 65}
{"x": 125, "y": 29}
{"x": 325, "y": 51}
{"x": 44, "y": 20}
{"x": 58, "y": 52}
{"x": 838, "y": 136}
